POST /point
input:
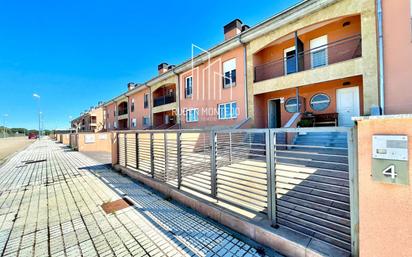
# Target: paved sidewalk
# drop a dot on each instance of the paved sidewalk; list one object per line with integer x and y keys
{"x": 51, "y": 205}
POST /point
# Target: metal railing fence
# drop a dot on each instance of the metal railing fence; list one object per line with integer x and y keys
{"x": 334, "y": 52}
{"x": 303, "y": 179}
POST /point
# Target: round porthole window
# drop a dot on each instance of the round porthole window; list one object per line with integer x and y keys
{"x": 319, "y": 102}
{"x": 291, "y": 105}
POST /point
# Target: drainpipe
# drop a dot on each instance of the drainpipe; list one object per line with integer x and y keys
{"x": 297, "y": 70}
{"x": 129, "y": 125}
{"x": 245, "y": 75}
{"x": 381, "y": 58}
{"x": 150, "y": 106}
{"x": 178, "y": 98}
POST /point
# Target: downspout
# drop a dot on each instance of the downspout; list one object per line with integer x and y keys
{"x": 150, "y": 106}
{"x": 129, "y": 125}
{"x": 297, "y": 70}
{"x": 381, "y": 59}
{"x": 245, "y": 75}
{"x": 178, "y": 98}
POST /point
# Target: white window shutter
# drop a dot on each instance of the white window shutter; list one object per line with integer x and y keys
{"x": 229, "y": 65}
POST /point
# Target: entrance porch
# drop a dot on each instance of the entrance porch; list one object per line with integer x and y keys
{"x": 331, "y": 103}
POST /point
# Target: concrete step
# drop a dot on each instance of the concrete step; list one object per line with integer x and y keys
{"x": 313, "y": 156}
{"x": 312, "y": 186}
{"x": 312, "y": 163}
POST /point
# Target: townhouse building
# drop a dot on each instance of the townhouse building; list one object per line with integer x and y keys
{"x": 316, "y": 61}
{"x": 131, "y": 110}
{"x": 92, "y": 120}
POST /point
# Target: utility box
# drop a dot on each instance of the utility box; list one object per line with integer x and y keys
{"x": 390, "y": 159}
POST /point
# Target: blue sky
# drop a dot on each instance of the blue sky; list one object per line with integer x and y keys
{"x": 76, "y": 53}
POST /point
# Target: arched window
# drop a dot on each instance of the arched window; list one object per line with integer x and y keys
{"x": 319, "y": 102}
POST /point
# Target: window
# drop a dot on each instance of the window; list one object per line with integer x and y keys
{"x": 134, "y": 123}
{"x": 145, "y": 121}
{"x": 192, "y": 115}
{"x": 291, "y": 105}
{"x": 229, "y": 72}
{"x": 108, "y": 125}
{"x": 146, "y": 101}
{"x": 114, "y": 124}
{"x": 290, "y": 60}
{"x": 188, "y": 87}
{"x": 227, "y": 111}
{"x": 319, "y": 102}
{"x": 319, "y": 51}
{"x": 132, "y": 106}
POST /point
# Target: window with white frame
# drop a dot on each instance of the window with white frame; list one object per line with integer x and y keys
{"x": 192, "y": 115}
{"x": 227, "y": 111}
{"x": 134, "y": 123}
{"x": 132, "y": 106}
{"x": 114, "y": 124}
{"x": 146, "y": 121}
{"x": 319, "y": 51}
{"x": 189, "y": 86}
{"x": 410, "y": 6}
{"x": 146, "y": 101}
{"x": 229, "y": 73}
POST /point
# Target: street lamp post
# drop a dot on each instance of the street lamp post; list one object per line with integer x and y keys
{"x": 36, "y": 96}
{"x": 4, "y": 124}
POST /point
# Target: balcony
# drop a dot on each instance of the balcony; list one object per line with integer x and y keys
{"x": 166, "y": 99}
{"x": 122, "y": 111}
{"x": 335, "y": 52}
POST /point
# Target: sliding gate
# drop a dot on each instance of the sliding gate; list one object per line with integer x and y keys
{"x": 302, "y": 179}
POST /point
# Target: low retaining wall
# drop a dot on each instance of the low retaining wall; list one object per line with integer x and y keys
{"x": 281, "y": 240}
{"x": 65, "y": 139}
{"x": 94, "y": 142}
{"x": 385, "y": 210}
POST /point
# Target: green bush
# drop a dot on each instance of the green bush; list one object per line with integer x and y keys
{"x": 305, "y": 123}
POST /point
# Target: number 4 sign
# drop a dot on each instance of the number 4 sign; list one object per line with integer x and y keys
{"x": 390, "y": 171}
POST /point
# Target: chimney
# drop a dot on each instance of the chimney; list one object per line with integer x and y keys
{"x": 232, "y": 29}
{"x": 130, "y": 86}
{"x": 162, "y": 68}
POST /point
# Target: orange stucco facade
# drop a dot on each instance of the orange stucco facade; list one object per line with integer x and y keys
{"x": 92, "y": 121}
{"x": 306, "y": 92}
{"x": 208, "y": 91}
{"x": 334, "y": 30}
{"x": 139, "y": 111}
{"x": 385, "y": 210}
{"x": 110, "y": 116}
{"x": 397, "y": 45}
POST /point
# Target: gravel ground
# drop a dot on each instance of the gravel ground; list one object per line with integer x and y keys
{"x": 11, "y": 145}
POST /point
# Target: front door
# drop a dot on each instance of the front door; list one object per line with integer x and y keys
{"x": 274, "y": 120}
{"x": 347, "y": 105}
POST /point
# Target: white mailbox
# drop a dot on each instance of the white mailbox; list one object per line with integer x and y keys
{"x": 390, "y": 159}
{"x": 89, "y": 138}
{"x": 390, "y": 147}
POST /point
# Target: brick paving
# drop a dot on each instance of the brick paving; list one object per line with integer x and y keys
{"x": 51, "y": 206}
